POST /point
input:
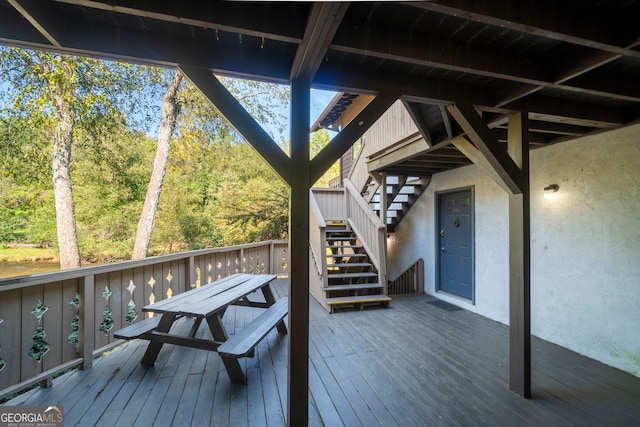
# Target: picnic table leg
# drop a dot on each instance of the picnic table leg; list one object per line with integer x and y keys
{"x": 195, "y": 326}
{"x": 270, "y": 299}
{"x": 231, "y": 364}
{"x": 154, "y": 347}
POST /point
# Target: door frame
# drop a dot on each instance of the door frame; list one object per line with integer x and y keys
{"x": 472, "y": 222}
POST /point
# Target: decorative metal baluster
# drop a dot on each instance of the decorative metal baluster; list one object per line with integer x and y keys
{"x": 107, "y": 321}
{"x": 74, "y": 336}
{"x": 40, "y": 346}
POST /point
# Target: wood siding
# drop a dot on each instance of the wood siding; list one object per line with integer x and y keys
{"x": 395, "y": 125}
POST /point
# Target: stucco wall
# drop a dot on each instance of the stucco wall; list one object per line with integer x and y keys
{"x": 585, "y": 245}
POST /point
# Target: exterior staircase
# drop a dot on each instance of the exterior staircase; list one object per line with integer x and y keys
{"x": 402, "y": 192}
{"x": 352, "y": 281}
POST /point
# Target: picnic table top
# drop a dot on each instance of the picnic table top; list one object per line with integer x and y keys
{"x": 212, "y": 297}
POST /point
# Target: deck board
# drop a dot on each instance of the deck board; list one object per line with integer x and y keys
{"x": 412, "y": 364}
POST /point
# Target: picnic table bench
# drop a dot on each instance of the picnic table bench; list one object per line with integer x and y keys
{"x": 209, "y": 303}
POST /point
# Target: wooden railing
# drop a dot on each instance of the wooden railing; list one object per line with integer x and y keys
{"x": 55, "y": 321}
{"x": 369, "y": 229}
{"x": 330, "y": 202}
{"x": 409, "y": 281}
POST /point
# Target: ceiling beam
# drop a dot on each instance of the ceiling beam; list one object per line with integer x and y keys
{"x": 471, "y": 122}
{"x": 128, "y": 45}
{"x": 578, "y": 113}
{"x": 271, "y": 20}
{"x": 322, "y": 24}
{"x": 546, "y": 19}
{"x": 464, "y": 58}
{"x": 355, "y": 78}
{"x": 435, "y": 52}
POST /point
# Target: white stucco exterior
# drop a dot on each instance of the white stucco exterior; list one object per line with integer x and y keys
{"x": 585, "y": 245}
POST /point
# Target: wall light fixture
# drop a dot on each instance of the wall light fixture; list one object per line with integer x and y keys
{"x": 551, "y": 190}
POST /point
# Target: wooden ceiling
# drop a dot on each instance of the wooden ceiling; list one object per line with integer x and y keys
{"x": 574, "y": 65}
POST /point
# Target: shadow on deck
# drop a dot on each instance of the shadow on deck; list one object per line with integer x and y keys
{"x": 414, "y": 364}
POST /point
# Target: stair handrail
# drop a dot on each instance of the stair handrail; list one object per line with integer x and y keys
{"x": 317, "y": 243}
{"x": 369, "y": 229}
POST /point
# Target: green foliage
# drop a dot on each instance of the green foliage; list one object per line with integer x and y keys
{"x": 217, "y": 190}
{"x": 317, "y": 142}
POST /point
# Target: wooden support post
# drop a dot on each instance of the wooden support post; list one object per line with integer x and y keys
{"x": 300, "y": 179}
{"x": 511, "y": 171}
{"x": 519, "y": 262}
{"x": 383, "y": 198}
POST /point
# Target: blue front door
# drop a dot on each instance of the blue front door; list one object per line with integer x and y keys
{"x": 455, "y": 248}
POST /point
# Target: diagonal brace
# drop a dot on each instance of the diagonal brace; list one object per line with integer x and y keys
{"x": 240, "y": 119}
{"x": 488, "y": 145}
{"x": 349, "y": 135}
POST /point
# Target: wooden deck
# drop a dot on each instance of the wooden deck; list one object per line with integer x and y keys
{"x": 413, "y": 364}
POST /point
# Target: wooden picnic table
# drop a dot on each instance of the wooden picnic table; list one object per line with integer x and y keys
{"x": 210, "y": 302}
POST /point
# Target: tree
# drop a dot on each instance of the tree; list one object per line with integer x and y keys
{"x": 317, "y": 142}
{"x": 193, "y": 212}
{"x": 167, "y": 125}
{"x": 67, "y": 90}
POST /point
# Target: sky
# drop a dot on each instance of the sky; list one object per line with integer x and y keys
{"x": 319, "y": 100}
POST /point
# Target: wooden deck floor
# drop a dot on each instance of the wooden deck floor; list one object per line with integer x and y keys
{"x": 414, "y": 364}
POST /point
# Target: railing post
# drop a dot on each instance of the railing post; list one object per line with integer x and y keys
{"x": 87, "y": 321}
{"x": 190, "y": 273}
{"x": 272, "y": 257}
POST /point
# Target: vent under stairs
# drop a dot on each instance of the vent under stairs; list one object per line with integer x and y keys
{"x": 402, "y": 192}
{"x": 352, "y": 281}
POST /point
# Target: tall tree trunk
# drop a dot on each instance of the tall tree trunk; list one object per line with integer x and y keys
{"x": 167, "y": 125}
{"x": 62, "y": 190}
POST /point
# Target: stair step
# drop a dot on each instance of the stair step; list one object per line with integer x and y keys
{"x": 350, "y": 275}
{"x": 357, "y": 286}
{"x": 345, "y": 246}
{"x": 358, "y": 299}
{"x": 346, "y": 255}
{"x": 350, "y": 264}
{"x": 341, "y": 239}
